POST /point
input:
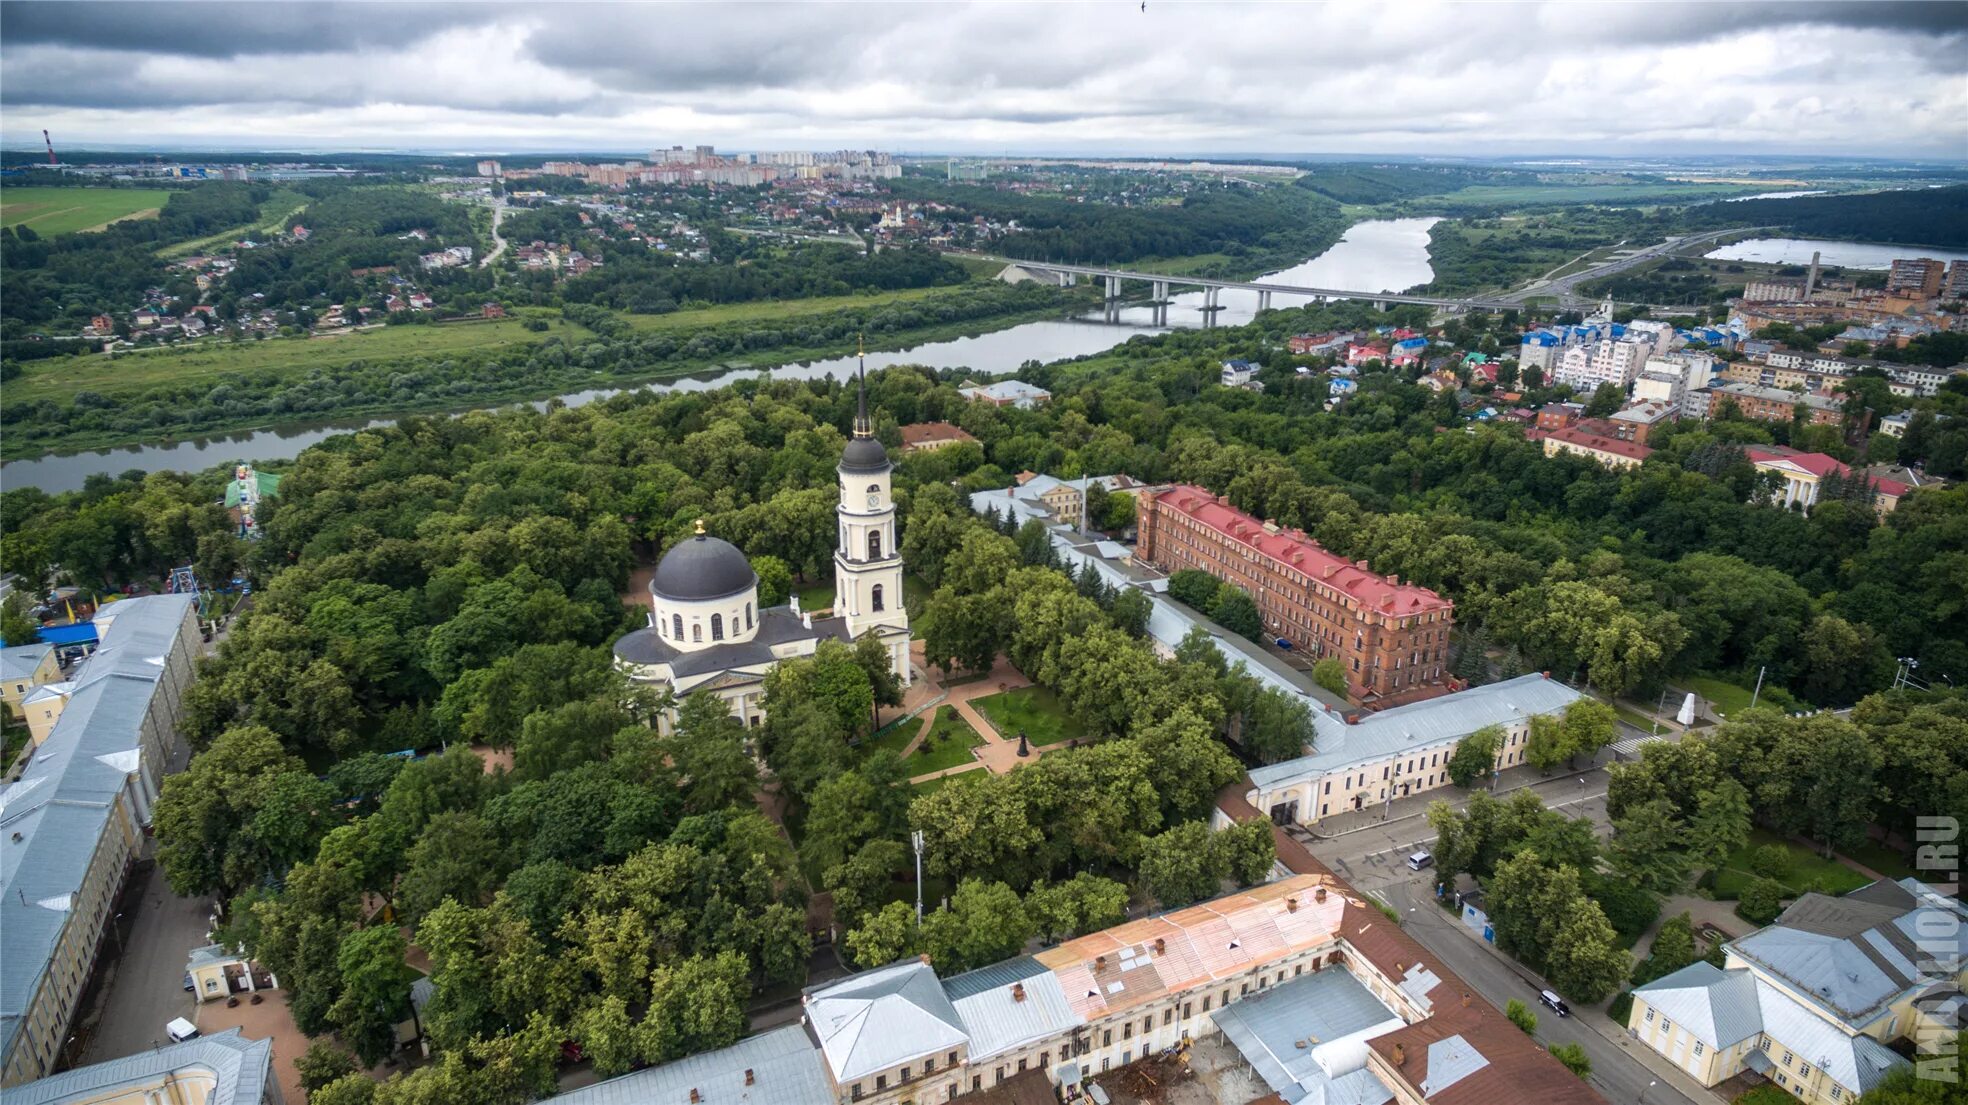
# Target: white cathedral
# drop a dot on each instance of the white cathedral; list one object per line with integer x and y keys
{"x": 706, "y": 631}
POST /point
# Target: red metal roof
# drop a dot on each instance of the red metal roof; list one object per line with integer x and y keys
{"x": 1820, "y": 465}
{"x": 1292, "y": 549}
{"x": 1601, "y": 443}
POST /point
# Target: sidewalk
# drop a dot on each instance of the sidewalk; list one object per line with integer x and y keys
{"x": 1557, "y": 788}
{"x": 1594, "y": 1017}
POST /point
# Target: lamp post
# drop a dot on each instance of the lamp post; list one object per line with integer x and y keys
{"x": 1651, "y": 1083}
{"x": 916, "y": 839}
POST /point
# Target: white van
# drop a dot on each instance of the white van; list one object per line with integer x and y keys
{"x": 1420, "y": 860}
{"x": 180, "y": 1030}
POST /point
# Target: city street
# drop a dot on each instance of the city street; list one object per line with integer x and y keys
{"x": 141, "y": 987}
{"x": 1620, "y": 1067}
{"x": 1370, "y": 850}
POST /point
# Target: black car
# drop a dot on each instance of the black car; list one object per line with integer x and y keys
{"x": 1556, "y": 1003}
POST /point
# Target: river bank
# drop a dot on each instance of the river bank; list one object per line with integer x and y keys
{"x": 1378, "y": 254}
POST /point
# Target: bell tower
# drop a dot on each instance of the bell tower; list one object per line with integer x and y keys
{"x": 868, "y": 559}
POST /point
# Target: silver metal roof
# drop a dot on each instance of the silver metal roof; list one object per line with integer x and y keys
{"x": 1419, "y": 725}
{"x": 240, "y": 1067}
{"x": 1450, "y": 1060}
{"x": 1307, "y": 1038}
{"x": 786, "y": 1070}
{"x": 19, "y": 661}
{"x": 996, "y": 1018}
{"x": 61, "y": 806}
{"x": 883, "y": 1018}
{"x": 1719, "y": 1007}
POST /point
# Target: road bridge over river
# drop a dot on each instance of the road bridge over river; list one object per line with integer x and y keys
{"x": 1160, "y": 283}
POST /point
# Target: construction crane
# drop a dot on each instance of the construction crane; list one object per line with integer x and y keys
{"x": 51, "y": 148}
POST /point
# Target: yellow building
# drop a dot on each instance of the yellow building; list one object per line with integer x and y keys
{"x": 23, "y": 668}
{"x": 1607, "y": 452}
{"x": 224, "y": 1068}
{"x": 1811, "y": 1002}
{"x": 77, "y": 821}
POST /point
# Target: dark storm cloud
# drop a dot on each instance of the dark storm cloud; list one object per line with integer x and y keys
{"x": 229, "y": 29}
{"x": 1847, "y": 76}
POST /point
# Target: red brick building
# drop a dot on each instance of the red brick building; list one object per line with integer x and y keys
{"x": 1393, "y": 637}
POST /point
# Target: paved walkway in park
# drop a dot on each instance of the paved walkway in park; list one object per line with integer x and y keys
{"x": 997, "y": 754}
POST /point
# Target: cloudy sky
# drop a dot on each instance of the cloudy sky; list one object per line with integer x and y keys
{"x": 1104, "y": 76}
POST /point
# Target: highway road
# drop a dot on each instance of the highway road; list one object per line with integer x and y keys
{"x": 1561, "y": 287}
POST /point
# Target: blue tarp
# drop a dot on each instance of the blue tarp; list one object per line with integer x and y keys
{"x": 81, "y": 633}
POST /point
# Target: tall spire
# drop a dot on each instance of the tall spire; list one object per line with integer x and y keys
{"x": 862, "y": 427}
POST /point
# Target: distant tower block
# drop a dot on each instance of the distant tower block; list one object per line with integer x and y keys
{"x": 1811, "y": 281}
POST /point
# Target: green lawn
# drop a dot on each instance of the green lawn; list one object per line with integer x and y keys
{"x": 1808, "y": 870}
{"x": 52, "y": 211}
{"x": 60, "y": 377}
{"x": 947, "y": 744}
{"x": 817, "y": 596}
{"x": 774, "y": 309}
{"x": 1034, "y": 711}
{"x": 1640, "y": 721}
{"x": 1887, "y": 861}
{"x": 1726, "y": 697}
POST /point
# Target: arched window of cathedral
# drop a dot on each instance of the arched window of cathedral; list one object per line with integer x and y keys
{"x": 717, "y": 627}
{"x": 697, "y": 633}
{"x": 748, "y": 615}
{"x": 876, "y": 596}
{"x": 676, "y": 627}
{"x": 874, "y": 544}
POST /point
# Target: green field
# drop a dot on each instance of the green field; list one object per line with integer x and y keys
{"x": 52, "y": 211}
{"x": 1638, "y": 192}
{"x": 1033, "y": 711}
{"x": 274, "y": 213}
{"x": 775, "y": 309}
{"x": 59, "y": 378}
{"x": 1808, "y": 870}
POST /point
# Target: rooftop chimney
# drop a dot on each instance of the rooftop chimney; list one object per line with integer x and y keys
{"x": 1099, "y": 963}
{"x": 1465, "y": 999}
{"x": 1018, "y": 991}
{"x": 1291, "y": 905}
{"x": 1400, "y": 1056}
{"x": 695, "y": 1097}
{"x": 1319, "y": 894}
{"x": 751, "y": 1079}
{"x": 1161, "y": 946}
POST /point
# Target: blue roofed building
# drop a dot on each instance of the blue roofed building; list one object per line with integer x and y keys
{"x": 1812, "y": 1001}
{"x": 75, "y": 821}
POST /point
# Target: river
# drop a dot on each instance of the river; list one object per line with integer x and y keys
{"x": 1844, "y": 255}
{"x": 1380, "y": 255}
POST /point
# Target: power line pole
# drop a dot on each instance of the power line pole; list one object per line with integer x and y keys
{"x": 1755, "y": 694}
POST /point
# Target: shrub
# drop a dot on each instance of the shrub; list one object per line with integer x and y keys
{"x": 1771, "y": 861}
{"x": 1574, "y": 1058}
{"x": 1521, "y": 1016}
{"x": 1761, "y": 901}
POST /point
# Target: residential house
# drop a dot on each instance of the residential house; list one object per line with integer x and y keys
{"x": 23, "y": 668}
{"x": 220, "y": 1068}
{"x": 1240, "y": 374}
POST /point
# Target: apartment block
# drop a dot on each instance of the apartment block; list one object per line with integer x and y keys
{"x": 1392, "y": 637}
{"x": 1915, "y": 277}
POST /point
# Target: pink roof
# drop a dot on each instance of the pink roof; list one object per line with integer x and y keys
{"x": 1820, "y": 465}
{"x": 1302, "y": 554}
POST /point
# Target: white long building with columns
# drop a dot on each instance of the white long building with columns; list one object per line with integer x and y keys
{"x": 707, "y": 631}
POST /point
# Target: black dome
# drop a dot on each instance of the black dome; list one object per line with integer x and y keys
{"x": 864, "y": 454}
{"x": 702, "y": 567}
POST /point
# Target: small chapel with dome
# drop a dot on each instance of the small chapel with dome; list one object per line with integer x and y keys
{"x": 706, "y": 630}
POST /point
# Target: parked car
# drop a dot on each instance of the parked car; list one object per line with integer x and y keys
{"x": 1556, "y": 1003}
{"x": 180, "y": 1030}
{"x": 1420, "y": 860}
{"x": 189, "y": 985}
